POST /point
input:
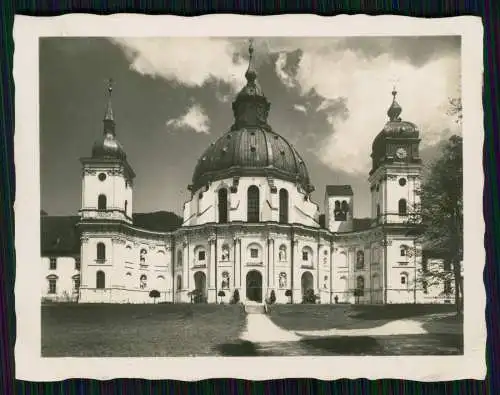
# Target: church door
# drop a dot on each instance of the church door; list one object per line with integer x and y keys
{"x": 254, "y": 286}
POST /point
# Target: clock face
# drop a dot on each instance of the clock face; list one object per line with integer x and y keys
{"x": 401, "y": 153}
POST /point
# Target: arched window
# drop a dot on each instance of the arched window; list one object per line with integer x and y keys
{"x": 223, "y": 205}
{"x": 179, "y": 282}
{"x": 143, "y": 281}
{"x": 101, "y": 202}
{"x": 345, "y": 207}
{"x": 126, "y": 207}
{"x": 402, "y": 207}
{"x": 253, "y": 204}
{"x": 404, "y": 280}
{"x": 283, "y": 206}
{"x": 101, "y": 252}
{"x": 360, "y": 285}
{"x": 100, "y": 280}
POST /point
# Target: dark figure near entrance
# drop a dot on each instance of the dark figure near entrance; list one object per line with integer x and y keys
{"x": 336, "y": 298}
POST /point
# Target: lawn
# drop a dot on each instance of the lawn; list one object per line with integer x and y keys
{"x": 304, "y": 317}
{"x": 162, "y": 330}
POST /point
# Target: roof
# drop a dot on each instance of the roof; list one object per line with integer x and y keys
{"x": 159, "y": 221}
{"x": 361, "y": 224}
{"x": 339, "y": 190}
{"x": 59, "y": 235}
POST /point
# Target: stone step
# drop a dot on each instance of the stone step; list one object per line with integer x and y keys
{"x": 255, "y": 309}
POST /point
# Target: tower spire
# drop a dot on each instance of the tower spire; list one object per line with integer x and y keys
{"x": 109, "y": 120}
{"x": 395, "y": 109}
{"x": 251, "y": 73}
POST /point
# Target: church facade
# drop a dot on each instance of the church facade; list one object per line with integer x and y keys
{"x": 250, "y": 230}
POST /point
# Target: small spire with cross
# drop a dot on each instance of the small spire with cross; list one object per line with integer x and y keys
{"x": 251, "y": 73}
{"x": 109, "y": 109}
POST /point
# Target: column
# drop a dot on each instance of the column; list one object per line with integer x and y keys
{"x": 237, "y": 263}
{"x": 295, "y": 283}
{"x": 272, "y": 264}
{"x": 185, "y": 270}
{"x": 212, "y": 291}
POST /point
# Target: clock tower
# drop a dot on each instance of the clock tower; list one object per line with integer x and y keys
{"x": 396, "y": 169}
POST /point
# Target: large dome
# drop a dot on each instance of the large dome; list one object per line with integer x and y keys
{"x": 251, "y": 151}
{"x": 251, "y": 147}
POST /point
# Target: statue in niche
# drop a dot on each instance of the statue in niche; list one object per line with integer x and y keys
{"x": 282, "y": 254}
{"x": 225, "y": 253}
{"x": 282, "y": 280}
{"x": 142, "y": 255}
{"x": 225, "y": 280}
{"x": 143, "y": 281}
{"x": 360, "y": 260}
{"x": 325, "y": 284}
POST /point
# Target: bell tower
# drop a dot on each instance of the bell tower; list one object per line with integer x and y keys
{"x": 107, "y": 178}
{"x": 396, "y": 169}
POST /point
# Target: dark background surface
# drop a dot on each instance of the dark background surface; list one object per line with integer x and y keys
{"x": 488, "y": 10}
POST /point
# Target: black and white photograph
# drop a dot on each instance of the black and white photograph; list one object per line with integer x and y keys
{"x": 239, "y": 196}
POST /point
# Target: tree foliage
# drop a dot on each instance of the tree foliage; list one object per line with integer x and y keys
{"x": 154, "y": 294}
{"x": 441, "y": 213}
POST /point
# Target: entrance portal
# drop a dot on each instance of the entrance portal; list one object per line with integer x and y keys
{"x": 254, "y": 286}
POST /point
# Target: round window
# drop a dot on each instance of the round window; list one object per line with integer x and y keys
{"x": 102, "y": 176}
{"x": 402, "y": 182}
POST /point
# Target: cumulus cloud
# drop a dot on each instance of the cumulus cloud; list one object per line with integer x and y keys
{"x": 282, "y": 73}
{"x": 356, "y": 89}
{"x": 300, "y": 108}
{"x": 194, "y": 119}
{"x": 189, "y": 61}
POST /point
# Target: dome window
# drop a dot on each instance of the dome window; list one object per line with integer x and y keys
{"x": 252, "y": 133}
{"x": 253, "y": 149}
{"x": 282, "y": 152}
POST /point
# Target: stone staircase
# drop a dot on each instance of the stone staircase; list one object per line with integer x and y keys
{"x": 255, "y": 308}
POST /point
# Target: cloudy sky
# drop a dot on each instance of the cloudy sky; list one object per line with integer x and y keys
{"x": 172, "y": 98}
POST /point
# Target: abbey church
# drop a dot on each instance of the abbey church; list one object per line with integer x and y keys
{"x": 250, "y": 230}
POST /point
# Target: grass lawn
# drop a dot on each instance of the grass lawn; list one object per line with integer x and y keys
{"x": 105, "y": 330}
{"x": 318, "y": 317}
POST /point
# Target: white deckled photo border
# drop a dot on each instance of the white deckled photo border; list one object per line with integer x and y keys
{"x": 29, "y": 363}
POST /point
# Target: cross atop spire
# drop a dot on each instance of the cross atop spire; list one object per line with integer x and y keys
{"x": 109, "y": 119}
{"x": 251, "y": 73}
{"x": 395, "y": 109}
{"x": 109, "y": 109}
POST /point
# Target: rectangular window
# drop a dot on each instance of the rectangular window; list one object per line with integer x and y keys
{"x": 77, "y": 263}
{"x": 77, "y": 283}
{"x": 52, "y": 286}
{"x": 403, "y": 280}
{"x": 305, "y": 256}
{"x": 201, "y": 255}
{"x": 254, "y": 253}
{"x": 53, "y": 264}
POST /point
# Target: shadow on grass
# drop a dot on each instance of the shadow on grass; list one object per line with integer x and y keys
{"x": 386, "y": 345}
{"x": 359, "y": 345}
{"x": 238, "y": 349}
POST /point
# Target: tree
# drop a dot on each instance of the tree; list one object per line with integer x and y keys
{"x": 154, "y": 294}
{"x": 455, "y": 109}
{"x": 221, "y": 294}
{"x": 288, "y": 293}
{"x": 440, "y": 213}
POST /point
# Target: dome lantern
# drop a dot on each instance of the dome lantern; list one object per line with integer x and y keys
{"x": 251, "y": 107}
